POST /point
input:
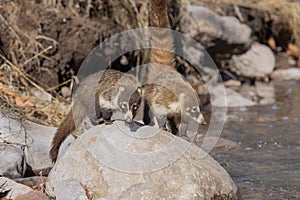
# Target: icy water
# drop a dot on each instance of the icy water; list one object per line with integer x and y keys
{"x": 268, "y": 164}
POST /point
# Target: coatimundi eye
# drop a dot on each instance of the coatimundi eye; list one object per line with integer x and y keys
{"x": 194, "y": 109}
{"x": 134, "y": 106}
{"x": 124, "y": 105}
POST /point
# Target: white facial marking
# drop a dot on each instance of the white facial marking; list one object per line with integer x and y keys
{"x": 139, "y": 90}
{"x": 135, "y": 106}
{"x": 201, "y": 120}
{"x": 128, "y": 117}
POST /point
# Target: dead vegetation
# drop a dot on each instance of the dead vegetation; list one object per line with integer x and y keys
{"x": 283, "y": 13}
{"x": 42, "y": 44}
{"x": 20, "y": 95}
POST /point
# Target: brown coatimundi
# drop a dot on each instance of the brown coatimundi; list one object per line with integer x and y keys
{"x": 169, "y": 99}
{"x": 99, "y": 95}
{"x": 170, "y": 102}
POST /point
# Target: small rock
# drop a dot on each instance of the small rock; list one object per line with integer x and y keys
{"x": 124, "y": 60}
{"x": 33, "y": 195}
{"x": 13, "y": 163}
{"x": 257, "y": 62}
{"x": 232, "y": 84}
{"x": 37, "y": 139}
{"x": 248, "y": 149}
{"x": 14, "y": 188}
{"x": 285, "y": 118}
{"x": 261, "y": 93}
{"x": 66, "y": 92}
{"x": 70, "y": 189}
{"x": 230, "y": 99}
{"x": 266, "y": 92}
{"x": 275, "y": 108}
{"x": 286, "y": 74}
{"x": 115, "y": 163}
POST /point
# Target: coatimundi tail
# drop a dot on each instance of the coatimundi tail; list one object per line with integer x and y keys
{"x": 159, "y": 18}
{"x": 100, "y": 95}
{"x": 169, "y": 99}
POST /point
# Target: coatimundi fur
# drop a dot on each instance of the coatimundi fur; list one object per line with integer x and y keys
{"x": 169, "y": 99}
{"x": 99, "y": 95}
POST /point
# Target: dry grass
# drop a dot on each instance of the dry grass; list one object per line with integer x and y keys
{"x": 20, "y": 95}
{"x": 283, "y": 11}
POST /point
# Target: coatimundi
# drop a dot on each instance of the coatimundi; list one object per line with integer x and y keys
{"x": 99, "y": 95}
{"x": 169, "y": 99}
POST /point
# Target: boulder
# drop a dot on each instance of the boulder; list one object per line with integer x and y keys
{"x": 36, "y": 138}
{"x": 13, "y": 162}
{"x": 262, "y": 93}
{"x": 218, "y": 34}
{"x": 11, "y": 189}
{"x": 118, "y": 162}
{"x": 33, "y": 195}
{"x": 233, "y": 99}
{"x": 286, "y": 74}
{"x": 258, "y": 61}
{"x": 70, "y": 189}
{"x": 32, "y": 180}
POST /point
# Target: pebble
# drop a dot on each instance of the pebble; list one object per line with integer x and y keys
{"x": 285, "y": 118}
{"x": 66, "y": 92}
{"x": 248, "y": 149}
{"x": 274, "y": 108}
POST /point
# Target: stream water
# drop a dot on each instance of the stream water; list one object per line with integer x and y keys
{"x": 268, "y": 164}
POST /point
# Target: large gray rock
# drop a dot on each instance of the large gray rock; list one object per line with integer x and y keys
{"x": 34, "y": 137}
{"x": 232, "y": 98}
{"x": 32, "y": 180}
{"x": 258, "y": 61}
{"x": 12, "y": 188}
{"x": 286, "y": 74}
{"x": 261, "y": 93}
{"x": 13, "y": 162}
{"x": 70, "y": 189}
{"x": 116, "y": 163}
{"x": 33, "y": 195}
{"x": 223, "y": 33}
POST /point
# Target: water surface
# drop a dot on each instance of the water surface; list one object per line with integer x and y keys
{"x": 268, "y": 164}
